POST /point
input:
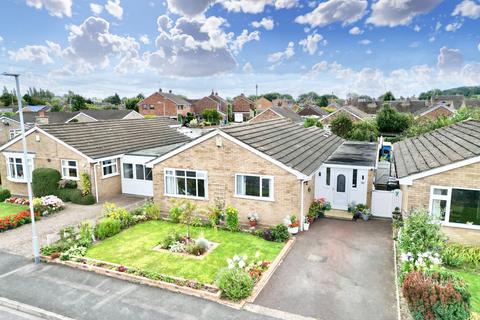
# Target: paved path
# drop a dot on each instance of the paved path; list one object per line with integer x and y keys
{"x": 337, "y": 270}
{"x": 88, "y": 296}
{"x": 10, "y": 314}
{"x": 19, "y": 240}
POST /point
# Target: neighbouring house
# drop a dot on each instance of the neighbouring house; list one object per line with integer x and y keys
{"x": 434, "y": 112}
{"x": 273, "y": 168}
{"x": 352, "y": 112}
{"x": 262, "y": 104}
{"x": 242, "y": 108}
{"x": 35, "y": 108}
{"x": 456, "y": 101}
{"x": 9, "y": 129}
{"x": 440, "y": 171}
{"x": 164, "y": 104}
{"x": 283, "y": 102}
{"x": 213, "y": 101}
{"x": 312, "y": 110}
{"x": 100, "y": 148}
{"x": 275, "y": 113}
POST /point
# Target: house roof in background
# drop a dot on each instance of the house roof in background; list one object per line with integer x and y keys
{"x": 353, "y": 153}
{"x": 62, "y": 117}
{"x": 287, "y": 113}
{"x": 428, "y": 109}
{"x": 175, "y": 98}
{"x": 438, "y": 148}
{"x": 312, "y": 109}
{"x": 35, "y": 108}
{"x": 302, "y": 149}
{"x": 101, "y": 139}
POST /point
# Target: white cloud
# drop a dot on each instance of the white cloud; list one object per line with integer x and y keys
{"x": 247, "y": 67}
{"x": 399, "y": 12}
{"x": 56, "y": 8}
{"x": 96, "y": 8}
{"x": 432, "y": 39}
{"x": 266, "y": 23}
{"x": 450, "y": 60}
{"x": 454, "y": 26}
{"x": 144, "y": 39}
{"x": 114, "y": 8}
{"x": 283, "y": 55}
{"x": 1, "y": 39}
{"x": 192, "y": 48}
{"x": 256, "y": 6}
{"x": 365, "y": 42}
{"x": 438, "y": 25}
{"x": 414, "y": 44}
{"x": 368, "y": 51}
{"x": 467, "y": 8}
{"x": 243, "y": 38}
{"x": 318, "y": 68}
{"x": 310, "y": 44}
{"x": 355, "y": 31}
{"x": 330, "y": 11}
{"x": 417, "y": 28}
{"x": 478, "y": 47}
{"x": 37, "y": 53}
{"x": 189, "y": 8}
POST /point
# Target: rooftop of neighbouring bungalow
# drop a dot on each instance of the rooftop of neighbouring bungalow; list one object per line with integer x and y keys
{"x": 353, "y": 153}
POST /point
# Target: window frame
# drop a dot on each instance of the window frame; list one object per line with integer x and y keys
{"x": 69, "y": 167}
{"x": 448, "y": 199}
{"x": 113, "y": 163}
{"x": 271, "y": 196}
{"x": 12, "y": 134}
{"x": 173, "y": 195}
{"x": 328, "y": 176}
{"x": 354, "y": 178}
{"x": 30, "y": 160}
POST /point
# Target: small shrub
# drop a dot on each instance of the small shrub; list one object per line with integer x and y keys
{"x": 107, "y": 227}
{"x": 110, "y": 210}
{"x": 231, "y": 219}
{"x": 235, "y": 284}
{"x": 175, "y": 212}
{"x": 152, "y": 211}
{"x": 4, "y": 194}
{"x": 279, "y": 233}
{"x": 67, "y": 194}
{"x": 67, "y": 184}
{"x": 74, "y": 251}
{"x": 77, "y": 198}
{"x": 459, "y": 255}
{"x": 57, "y": 247}
{"x": 86, "y": 233}
{"x": 85, "y": 184}
{"x": 195, "y": 249}
{"x": 45, "y": 181}
{"x": 267, "y": 234}
{"x": 172, "y": 237}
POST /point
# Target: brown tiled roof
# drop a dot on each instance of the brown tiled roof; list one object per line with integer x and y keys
{"x": 437, "y": 148}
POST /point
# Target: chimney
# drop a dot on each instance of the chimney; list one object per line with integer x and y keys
{"x": 41, "y": 113}
{"x": 212, "y": 93}
{"x": 216, "y": 93}
{"x": 41, "y": 118}
{"x": 169, "y": 91}
{"x": 160, "y": 90}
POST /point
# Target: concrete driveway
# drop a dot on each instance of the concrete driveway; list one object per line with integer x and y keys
{"x": 19, "y": 240}
{"x": 337, "y": 270}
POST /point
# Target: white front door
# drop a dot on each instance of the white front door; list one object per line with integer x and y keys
{"x": 341, "y": 188}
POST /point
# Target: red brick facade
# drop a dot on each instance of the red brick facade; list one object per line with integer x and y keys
{"x": 242, "y": 104}
{"x": 436, "y": 113}
{"x": 263, "y": 104}
{"x": 265, "y": 116}
{"x": 158, "y": 105}
{"x": 205, "y": 103}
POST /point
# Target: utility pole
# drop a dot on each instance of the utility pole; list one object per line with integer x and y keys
{"x": 26, "y": 168}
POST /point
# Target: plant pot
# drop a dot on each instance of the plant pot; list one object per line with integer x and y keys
{"x": 293, "y": 230}
{"x": 365, "y": 217}
{"x": 252, "y": 223}
{"x": 306, "y": 226}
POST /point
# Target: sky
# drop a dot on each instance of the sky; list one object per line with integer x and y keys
{"x": 100, "y": 47}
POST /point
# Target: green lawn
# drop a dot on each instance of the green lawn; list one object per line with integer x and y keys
{"x": 472, "y": 278}
{"x": 134, "y": 248}
{"x": 7, "y": 209}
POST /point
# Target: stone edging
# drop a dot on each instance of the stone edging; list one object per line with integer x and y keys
{"x": 181, "y": 289}
{"x": 403, "y": 312}
{"x": 31, "y": 310}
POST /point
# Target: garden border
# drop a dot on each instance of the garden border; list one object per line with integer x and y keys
{"x": 215, "y": 297}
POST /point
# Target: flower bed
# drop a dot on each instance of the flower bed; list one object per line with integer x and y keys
{"x": 16, "y": 220}
{"x": 48, "y": 205}
{"x": 18, "y": 200}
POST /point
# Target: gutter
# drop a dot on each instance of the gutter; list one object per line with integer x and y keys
{"x": 96, "y": 180}
{"x": 302, "y": 203}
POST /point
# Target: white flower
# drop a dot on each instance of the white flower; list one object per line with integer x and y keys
{"x": 257, "y": 254}
{"x": 241, "y": 264}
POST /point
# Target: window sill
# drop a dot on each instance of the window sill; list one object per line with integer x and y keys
{"x": 255, "y": 198}
{"x": 185, "y": 197}
{"x": 110, "y": 175}
{"x": 71, "y": 178}
{"x": 461, "y": 225}
{"x": 16, "y": 180}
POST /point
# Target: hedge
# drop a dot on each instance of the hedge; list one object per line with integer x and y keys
{"x": 75, "y": 196}
{"x": 4, "y": 194}
{"x": 45, "y": 181}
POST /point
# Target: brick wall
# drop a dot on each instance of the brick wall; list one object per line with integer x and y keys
{"x": 5, "y": 130}
{"x": 435, "y": 114}
{"x": 221, "y": 164}
{"x": 265, "y": 116}
{"x": 161, "y": 107}
{"x": 418, "y": 194}
{"x": 204, "y": 103}
{"x": 242, "y": 104}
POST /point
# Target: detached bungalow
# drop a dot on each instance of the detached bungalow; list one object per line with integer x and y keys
{"x": 434, "y": 112}
{"x": 275, "y": 113}
{"x": 273, "y": 168}
{"x": 243, "y": 108}
{"x": 352, "y": 112}
{"x": 440, "y": 171}
{"x": 312, "y": 110}
{"x": 164, "y": 104}
{"x": 99, "y": 148}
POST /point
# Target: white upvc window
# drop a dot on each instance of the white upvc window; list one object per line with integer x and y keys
{"x": 136, "y": 171}
{"x": 456, "y": 206}
{"x": 109, "y": 168}
{"x": 252, "y": 186}
{"x": 14, "y": 132}
{"x": 70, "y": 169}
{"x": 16, "y": 168}
{"x": 186, "y": 183}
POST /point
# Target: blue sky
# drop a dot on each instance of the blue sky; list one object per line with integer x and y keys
{"x": 100, "y": 47}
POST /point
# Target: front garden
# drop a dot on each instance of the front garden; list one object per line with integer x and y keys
{"x": 439, "y": 279}
{"x": 214, "y": 255}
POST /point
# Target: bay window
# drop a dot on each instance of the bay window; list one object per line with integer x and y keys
{"x": 186, "y": 183}
{"x": 254, "y": 186}
{"x": 16, "y": 168}
{"x": 455, "y": 205}
{"x": 109, "y": 168}
{"x": 69, "y": 169}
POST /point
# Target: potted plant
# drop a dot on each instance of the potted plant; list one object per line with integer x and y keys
{"x": 293, "y": 225}
{"x": 253, "y": 219}
{"x": 366, "y": 214}
{"x": 306, "y": 224}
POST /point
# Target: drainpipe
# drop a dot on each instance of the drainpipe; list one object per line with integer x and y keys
{"x": 95, "y": 176}
{"x": 302, "y": 204}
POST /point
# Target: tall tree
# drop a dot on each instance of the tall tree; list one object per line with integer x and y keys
{"x": 78, "y": 102}
{"x": 388, "y": 96}
{"x": 115, "y": 99}
{"x": 390, "y": 120}
{"x": 341, "y": 125}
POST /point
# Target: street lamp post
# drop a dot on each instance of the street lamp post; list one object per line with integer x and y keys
{"x": 26, "y": 167}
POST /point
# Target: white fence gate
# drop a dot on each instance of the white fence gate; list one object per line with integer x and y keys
{"x": 384, "y": 202}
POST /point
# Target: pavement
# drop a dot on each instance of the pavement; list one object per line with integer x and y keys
{"x": 19, "y": 240}
{"x": 10, "y": 314}
{"x": 84, "y": 295}
{"x": 337, "y": 270}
